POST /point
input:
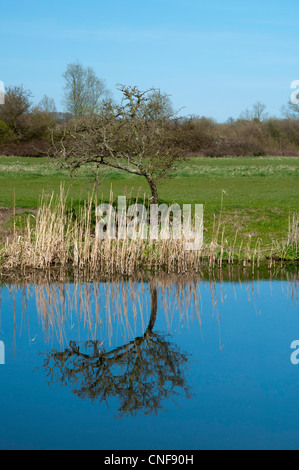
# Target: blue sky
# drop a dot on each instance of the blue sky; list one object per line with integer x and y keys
{"x": 215, "y": 58}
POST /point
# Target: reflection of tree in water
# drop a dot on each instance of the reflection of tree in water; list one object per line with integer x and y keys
{"x": 141, "y": 373}
{"x": 144, "y": 372}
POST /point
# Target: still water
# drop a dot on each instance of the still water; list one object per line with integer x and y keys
{"x": 166, "y": 363}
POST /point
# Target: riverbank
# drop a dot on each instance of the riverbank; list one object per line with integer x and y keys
{"x": 250, "y": 215}
{"x": 56, "y": 236}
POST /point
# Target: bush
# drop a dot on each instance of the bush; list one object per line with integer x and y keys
{"x": 223, "y": 147}
{"x": 194, "y": 134}
{"x": 4, "y": 132}
{"x": 35, "y": 148}
{"x": 35, "y": 126}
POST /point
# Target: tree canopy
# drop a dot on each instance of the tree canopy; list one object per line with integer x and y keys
{"x": 135, "y": 136}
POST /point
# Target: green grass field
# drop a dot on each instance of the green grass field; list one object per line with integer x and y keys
{"x": 259, "y": 194}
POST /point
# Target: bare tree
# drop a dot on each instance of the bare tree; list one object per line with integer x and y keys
{"x": 124, "y": 136}
{"x": 291, "y": 111}
{"x": 46, "y": 105}
{"x": 17, "y": 103}
{"x": 83, "y": 91}
{"x": 158, "y": 106}
{"x": 257, "y": 113}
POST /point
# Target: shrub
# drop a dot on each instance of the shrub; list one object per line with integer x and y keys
{"x": 35, "y": 126}
{"x": 4, "y": 132}
{"x": 223, "y": 147}
{"x": 194, "y": 134}
{"x": 35, "y": 148}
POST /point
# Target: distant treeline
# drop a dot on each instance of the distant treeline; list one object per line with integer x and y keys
{"x": 27, "y": 130}
{"x": 193, "y": 136}
{"x": 238, "y": 138}
{"x": 32, "y": 136}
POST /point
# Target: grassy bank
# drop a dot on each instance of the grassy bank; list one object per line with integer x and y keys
{"x": 259, "y": 199}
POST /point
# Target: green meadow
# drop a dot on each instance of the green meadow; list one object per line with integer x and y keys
{"x": 251, "y": 198}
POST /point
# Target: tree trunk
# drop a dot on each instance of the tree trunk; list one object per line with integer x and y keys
{"x": 154, "y": 190}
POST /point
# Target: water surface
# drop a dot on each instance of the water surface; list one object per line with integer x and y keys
{"x": 166, "y": 363}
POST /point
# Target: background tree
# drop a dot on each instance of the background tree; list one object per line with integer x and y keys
{"x": 158, "y": 106}
{"x": 257, "y": 113}
{"x": 17, "y": 103}
{"x": 46, "y": 105}
{"x": 124, "y": 136}
{"x": 83, "y": 91}
{"x": 291, "y": 111}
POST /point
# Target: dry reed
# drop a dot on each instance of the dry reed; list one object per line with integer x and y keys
{"x": 57, "y": 239}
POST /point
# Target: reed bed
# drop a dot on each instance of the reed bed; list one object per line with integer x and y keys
{"x": 57, "y": 238}
{"x": 288, "y": 249}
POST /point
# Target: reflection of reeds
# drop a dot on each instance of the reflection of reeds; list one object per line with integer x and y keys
{"x": 100, "y": 309}
{"x": 118, "y": 310}
{"x": 113, "y": 311}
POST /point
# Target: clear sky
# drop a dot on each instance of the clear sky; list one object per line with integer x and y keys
{"x": 215, "y": 58}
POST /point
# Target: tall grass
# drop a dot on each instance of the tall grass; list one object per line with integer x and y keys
{"x": 57, "y": 237}
{"x": 290, "y": 248}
